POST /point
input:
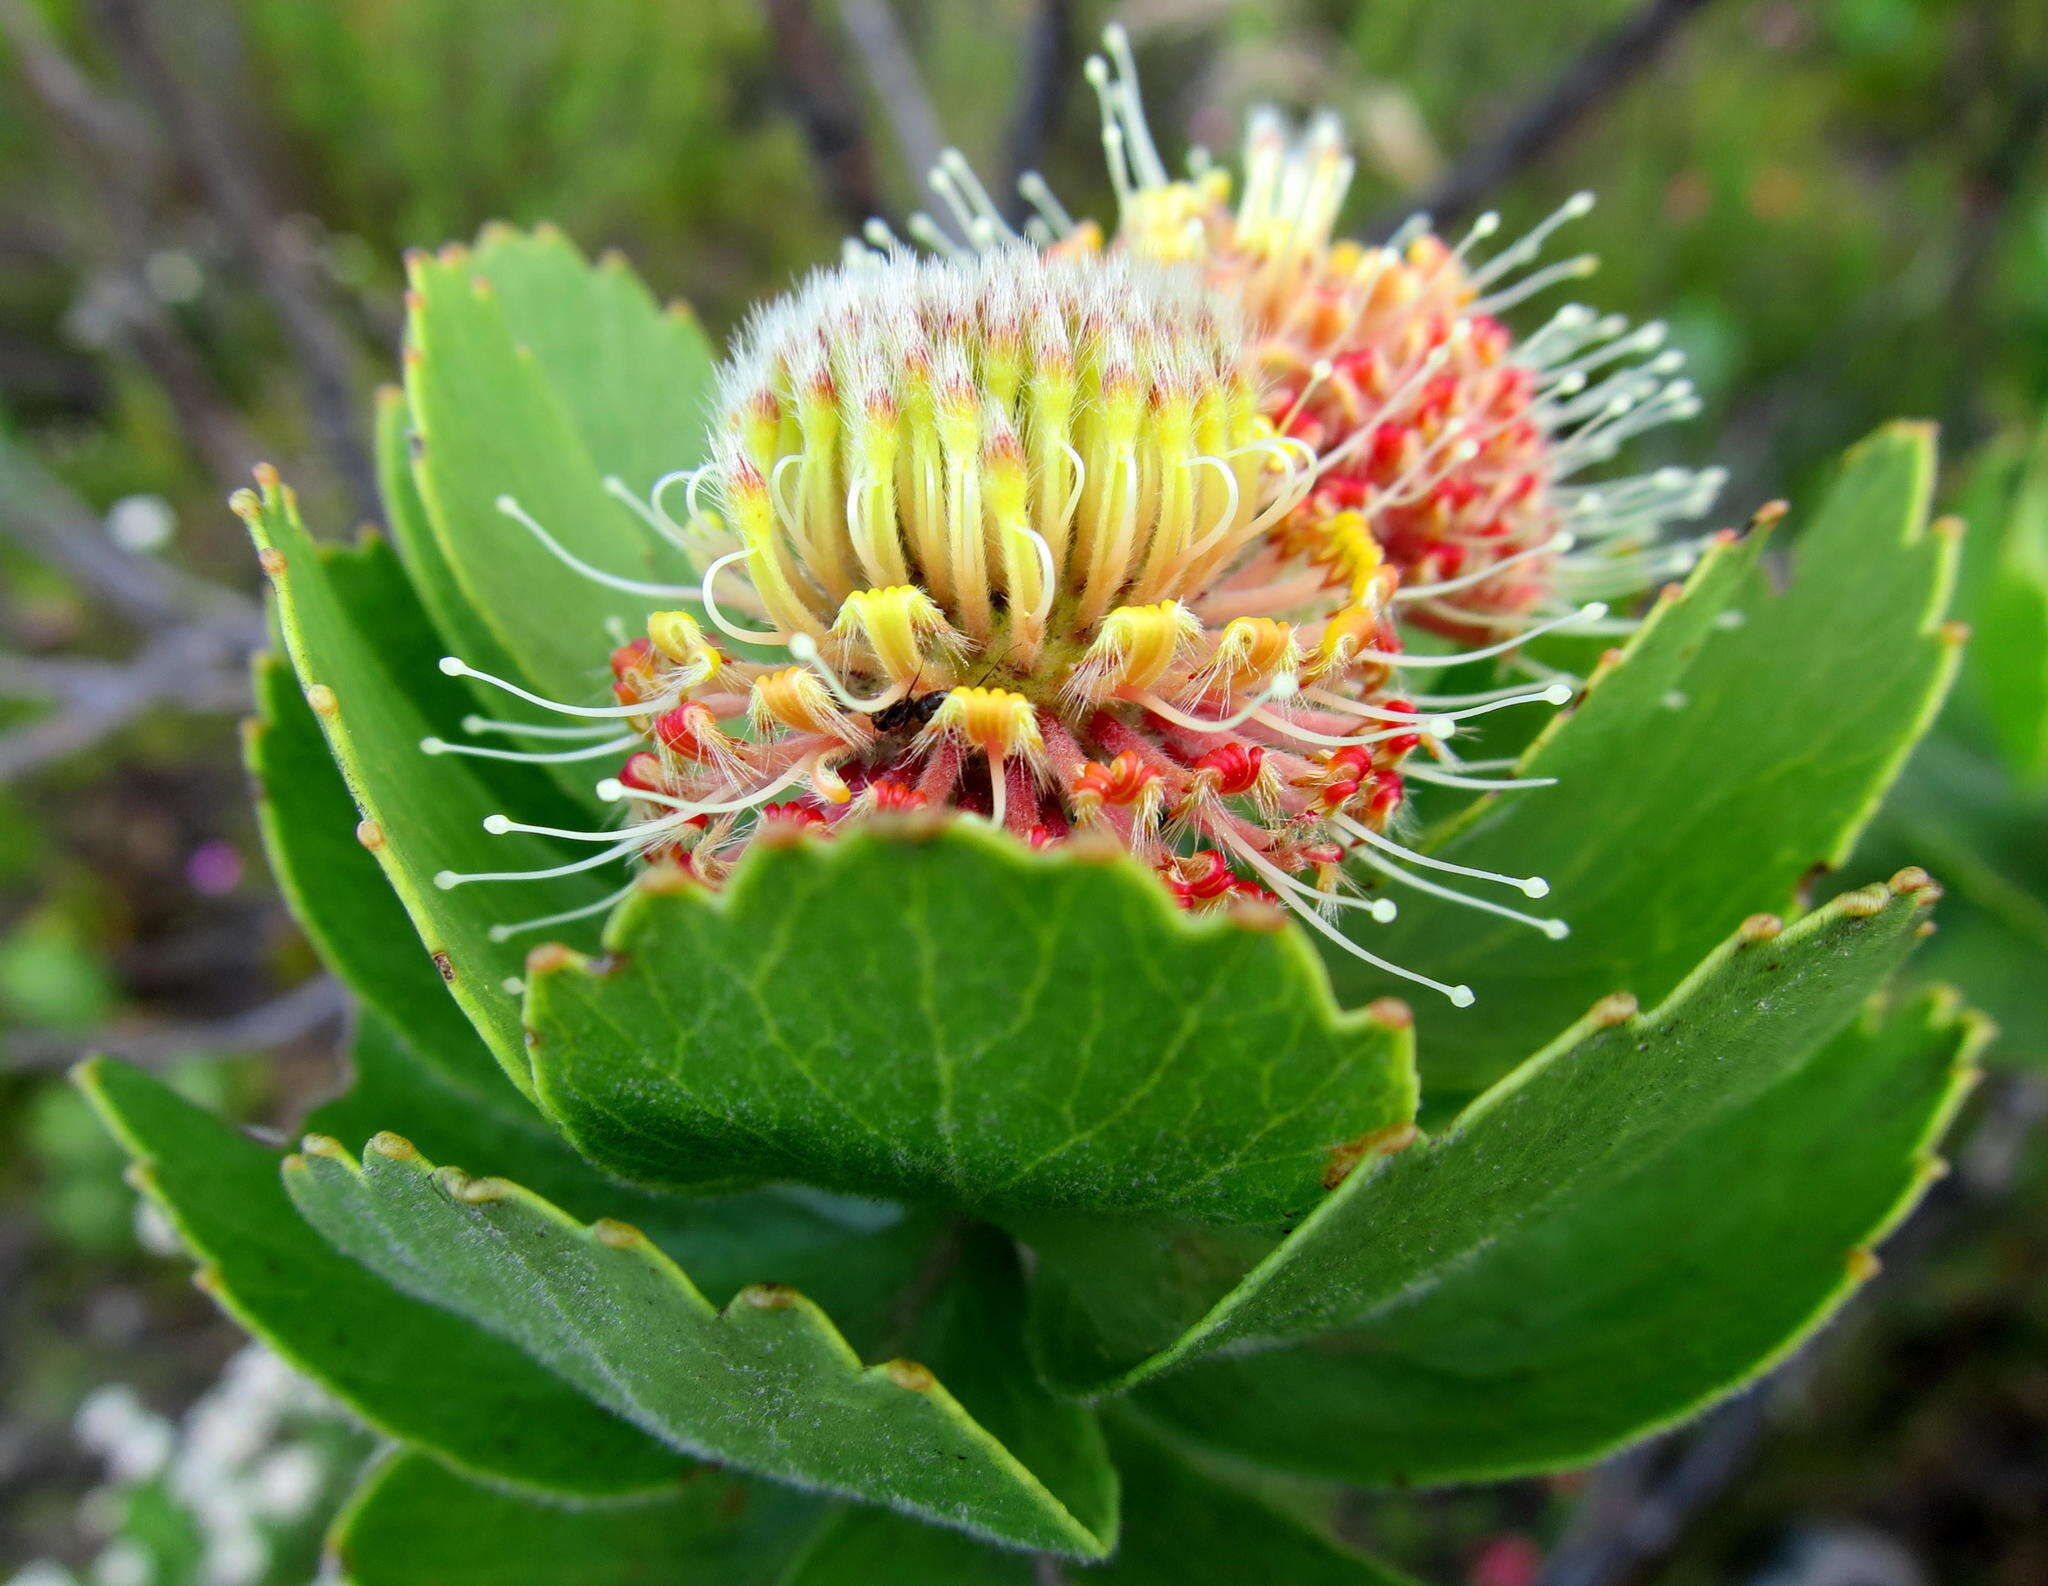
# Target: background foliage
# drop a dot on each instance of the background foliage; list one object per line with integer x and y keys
{"x": 1841, "y": 206}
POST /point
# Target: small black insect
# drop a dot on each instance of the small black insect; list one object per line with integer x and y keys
{"x": 910, "y": 714}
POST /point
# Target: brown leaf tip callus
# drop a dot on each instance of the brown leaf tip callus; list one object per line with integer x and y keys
{"x": 1390, "y": 1013}
{"x": 1615, "y": 1008}
{"x": 909, "y": 1374}
{"x": 1344, "y": 1159}
{"x": 1866, "y": 902}
{"x": 1253, "y": 914}
{"x": 665, "y": 880}
{"x": 549, "y": 958}
{"x": 476, "y": 1191}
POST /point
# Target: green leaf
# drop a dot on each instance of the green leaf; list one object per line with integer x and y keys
{"x": 942, "y": 1015}
{"x": 1568, "y": 1130}
{"x": 531, "y": 375}
{"x": 853, "y": 1256}
{"x": 460, "y": 625}
{"x": 1186, "y": 1527}
{"x": 860, "y": 1546}
{"x": 1183, "y": 1527}
{"x": 341, "y": 899}
{"x": 412, "y": 1371}
{"x": 376, "y": 701}
{"x": 2006, "y": 605}
{"x": 415, "y": 1523}
{"x": 637, "y": 380}
{"x": 1743, "y": 737}
{"x": 767, "y": 1384}
{"x": 1620, "y": 1313}
{"x": 973, "y": 1334}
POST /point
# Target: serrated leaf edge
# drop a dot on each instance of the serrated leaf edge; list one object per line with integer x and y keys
{"x": 626, "y": 1241}
{"x": 1912, "y": 889}
{"x": 274, "y": 496}
{"x": 648, "y": 905}
{"x": 1860, "y": 1264}
{"x": 141, "y": 1177}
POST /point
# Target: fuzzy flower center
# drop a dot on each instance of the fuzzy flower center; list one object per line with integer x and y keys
{"x": 1011, "y": 471}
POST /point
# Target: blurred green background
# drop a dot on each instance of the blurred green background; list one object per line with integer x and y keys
{"x": 1840, "y": 207}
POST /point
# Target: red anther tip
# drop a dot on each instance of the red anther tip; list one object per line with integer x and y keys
{"x": 632, "y": 654}
{"x": 1236, "y": 767}
{"x": 641, "y": 773}
{"x": 793, "y": 812}
{"x": 889, "y": 794}
{"x": 685, "y": 729}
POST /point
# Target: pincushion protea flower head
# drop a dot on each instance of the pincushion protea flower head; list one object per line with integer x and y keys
{"x": 1451, "y": 441}
{"x": 1003, "y": 535}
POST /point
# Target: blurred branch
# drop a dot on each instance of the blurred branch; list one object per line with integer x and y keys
{"x": 1041, "y": 89}
{"x": 194, "y": 667}
{"x": 200, "y": 634}
{"x": 892, "y": 72}
{"x": 70, "y": 95}
{"x": 826, "y": 107}
{"x": 38, "y": 513}
{"x": 281, "y": 1021}
{"x": 122, "y": 165}
{"x": 218, "y": 161}
{"x": 215, "y": 428}
{"x": 1639, "y": 1503}
{"x": 1606, "y": 66}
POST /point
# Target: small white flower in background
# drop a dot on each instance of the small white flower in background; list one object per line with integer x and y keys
{"x": 124, "y": 1564}
{"x": 236, "y": 1555}
{"x": 135, "y": 1442}
{"x": 141, "y": 523}
{"x": 229, "y": 1474}
{"x": 285, "y": 1482}
{"x": 173, "y": 275}
{"x": 234, "y": 1466}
